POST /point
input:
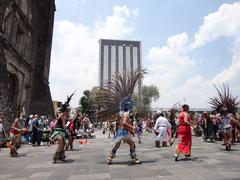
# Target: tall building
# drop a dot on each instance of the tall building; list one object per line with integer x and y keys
{"x": 118, "y": 56}
{"x": 26, "y": 28}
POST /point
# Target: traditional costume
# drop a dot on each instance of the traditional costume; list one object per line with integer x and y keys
{"x": 15, "y": 137}
{"x": 60, "y": 133}
{"x": 124, "y": 132}
{"x": 224, "y": 104}
{"x": 117, "y": 92}
{"x": 161, "y": 126}
{"x": 184, "y": 134}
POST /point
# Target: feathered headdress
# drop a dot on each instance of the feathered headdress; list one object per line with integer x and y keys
{"x": 118, "y": 92}
{"x": 127, "y": 103}
{"x": 224, "y": 101}
{"x": 65, "y": 106}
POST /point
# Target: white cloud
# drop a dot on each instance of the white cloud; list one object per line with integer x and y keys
{"x": 116, "y": 25}
{"x": 169, "y": 63}
{"x": 74, "y": 63}
{"x": 224, "y": 22}
{"x": 230, "y": 74}
{"x": 194, "y": 91}
{"x": 178, "y": 43}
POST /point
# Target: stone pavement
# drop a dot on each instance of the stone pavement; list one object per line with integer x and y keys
{"x": 87, "y": 161}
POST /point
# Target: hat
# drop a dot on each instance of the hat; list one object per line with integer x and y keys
{"x": 31, "y": 116}
{"x": 36, "y": 115}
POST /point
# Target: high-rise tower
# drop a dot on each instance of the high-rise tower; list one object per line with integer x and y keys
{"x": 118, "y": 56}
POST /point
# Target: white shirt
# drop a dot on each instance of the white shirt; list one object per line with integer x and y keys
{"x": 162, "y": 122}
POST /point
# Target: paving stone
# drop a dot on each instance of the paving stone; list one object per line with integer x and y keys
{"x": 209, "y": 161}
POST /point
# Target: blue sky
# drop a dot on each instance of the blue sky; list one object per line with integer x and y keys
{"x": 186, "y": 45}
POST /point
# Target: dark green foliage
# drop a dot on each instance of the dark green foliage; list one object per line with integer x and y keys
{"x": 86, "y": 103}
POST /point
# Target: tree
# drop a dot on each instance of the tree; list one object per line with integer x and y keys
{"x": 149, "y": 94}
{"x": 86, "y": 102}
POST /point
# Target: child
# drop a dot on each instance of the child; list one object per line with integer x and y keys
{"x": 139, "y": 132}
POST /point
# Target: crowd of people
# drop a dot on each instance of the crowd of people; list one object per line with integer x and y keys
{"x": 38, "y": 130}
{"x": 171, "y": 125}
{"x": 165, "y": 126}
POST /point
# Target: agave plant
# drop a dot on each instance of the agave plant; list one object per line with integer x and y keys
{"x": 113, "y": 92}
{"x": 224, "y": 101}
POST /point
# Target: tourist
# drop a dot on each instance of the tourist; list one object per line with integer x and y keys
{"x": 41, "y": 122}
{"x": 3, "y": 135}
{"x": 209, "y": 131}
{"x": 35, "y": 128}
{"x": 111, "y": 127}
{"x": 104, "y": 127}
{"x": 30, "y": 127}
{"x": 215, "y": 122}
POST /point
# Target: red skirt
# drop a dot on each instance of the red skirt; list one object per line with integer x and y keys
{"x": 184, "y": 140}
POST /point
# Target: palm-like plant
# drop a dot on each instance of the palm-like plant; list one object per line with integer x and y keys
{"x": 113, "y": 92}
{"x": 224, "y": 101}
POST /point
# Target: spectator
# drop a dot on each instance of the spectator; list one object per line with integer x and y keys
{"x": 3, "y": 134}
{"x": 35, "y": 130}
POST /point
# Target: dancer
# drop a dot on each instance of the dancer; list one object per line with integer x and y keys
{"x": 124, "y": 132}
{"x": 70, "y": 135}
{"x": 227, "y": 128}
{"x": 225, "y": 103}
{"x": 60, "y": 131}
{"x": 234, "y": 123}
{"x": 184, "y": 133}
{"x": 117, "y": 92}
{"x": 15, "y": 137}
{"x": 139, "y": 132}
{"x": 161, "y": 126}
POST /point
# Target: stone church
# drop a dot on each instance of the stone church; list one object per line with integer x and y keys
{"x": 26, "y": 28}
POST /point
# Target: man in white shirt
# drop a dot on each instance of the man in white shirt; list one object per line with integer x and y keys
{"x": 160, "y": 129}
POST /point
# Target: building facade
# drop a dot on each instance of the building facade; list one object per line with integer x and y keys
{"x": 118, "y": 56}
{"x": 26, "y": 28}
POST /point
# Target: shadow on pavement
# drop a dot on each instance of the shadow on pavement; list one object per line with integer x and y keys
{"x": 67, "y": 161}
{"x": 190, "y": 159}
{"x": 74, "y": 150}
{"x": 126, "y": 162}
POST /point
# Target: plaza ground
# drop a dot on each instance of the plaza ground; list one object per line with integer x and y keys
{"x": 87, "y": 161}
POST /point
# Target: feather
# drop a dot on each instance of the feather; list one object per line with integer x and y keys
{"x": 224, "y": 100}
{"x": 113, "y": 92}
{"x": 66, "y": 104}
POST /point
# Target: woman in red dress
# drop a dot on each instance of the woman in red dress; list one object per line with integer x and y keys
{"x": 184, "y": 133}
